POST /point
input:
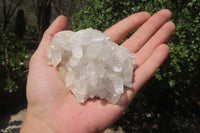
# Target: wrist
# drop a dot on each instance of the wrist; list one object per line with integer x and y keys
{"x": 32, "y": 124}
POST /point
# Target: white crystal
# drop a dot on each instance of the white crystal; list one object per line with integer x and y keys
{"x": 91, "y": 65}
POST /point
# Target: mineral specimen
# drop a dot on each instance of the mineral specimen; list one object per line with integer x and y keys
{"x": 91, "y": 65}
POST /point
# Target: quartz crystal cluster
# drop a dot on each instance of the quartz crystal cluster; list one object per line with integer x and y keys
{"x": 91, "y": 65}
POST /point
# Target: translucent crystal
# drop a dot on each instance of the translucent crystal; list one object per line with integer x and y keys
{"x": 91, "y": 65}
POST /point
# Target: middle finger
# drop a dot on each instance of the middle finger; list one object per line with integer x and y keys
{"x": 142, "y": 35}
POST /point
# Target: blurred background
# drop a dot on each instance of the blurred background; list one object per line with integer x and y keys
{"x": 169, "y": 102}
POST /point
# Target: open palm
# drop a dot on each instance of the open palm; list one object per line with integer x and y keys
{"x": 54, "y": 107}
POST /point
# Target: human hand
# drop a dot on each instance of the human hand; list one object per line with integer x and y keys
{"x": 53, "y": 108}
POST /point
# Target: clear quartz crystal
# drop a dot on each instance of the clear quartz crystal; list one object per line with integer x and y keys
{"x": 91, "y": 65}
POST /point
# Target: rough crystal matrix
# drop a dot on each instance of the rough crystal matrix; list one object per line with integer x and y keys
{"x": 91, "y": 65}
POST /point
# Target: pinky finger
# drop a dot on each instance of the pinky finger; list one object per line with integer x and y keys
{"x": 144, "y": 72}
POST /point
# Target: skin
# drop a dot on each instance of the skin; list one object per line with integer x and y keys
{"x": 53, "y": 108}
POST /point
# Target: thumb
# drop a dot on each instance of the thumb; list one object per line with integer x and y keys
{"x": 59, "y": 24}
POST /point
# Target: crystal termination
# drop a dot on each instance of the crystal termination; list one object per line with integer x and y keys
{"x": 91, "y": 65}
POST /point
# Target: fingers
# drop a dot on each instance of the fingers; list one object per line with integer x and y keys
{"x": 147, "y": 30}
{"x": 148, "y": 68}
{"x": 58, "y": 25}
{"x": 118, "y": 31}
{"x": 158, "y": 38}
{"x": 144, "y": 72}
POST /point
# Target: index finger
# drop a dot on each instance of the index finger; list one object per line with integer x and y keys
{"x": 118, "y": 31}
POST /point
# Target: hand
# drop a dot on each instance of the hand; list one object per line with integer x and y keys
{"x": 51, "y": 106}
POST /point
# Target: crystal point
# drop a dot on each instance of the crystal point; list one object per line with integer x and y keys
{"x": 91, "y": 65}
